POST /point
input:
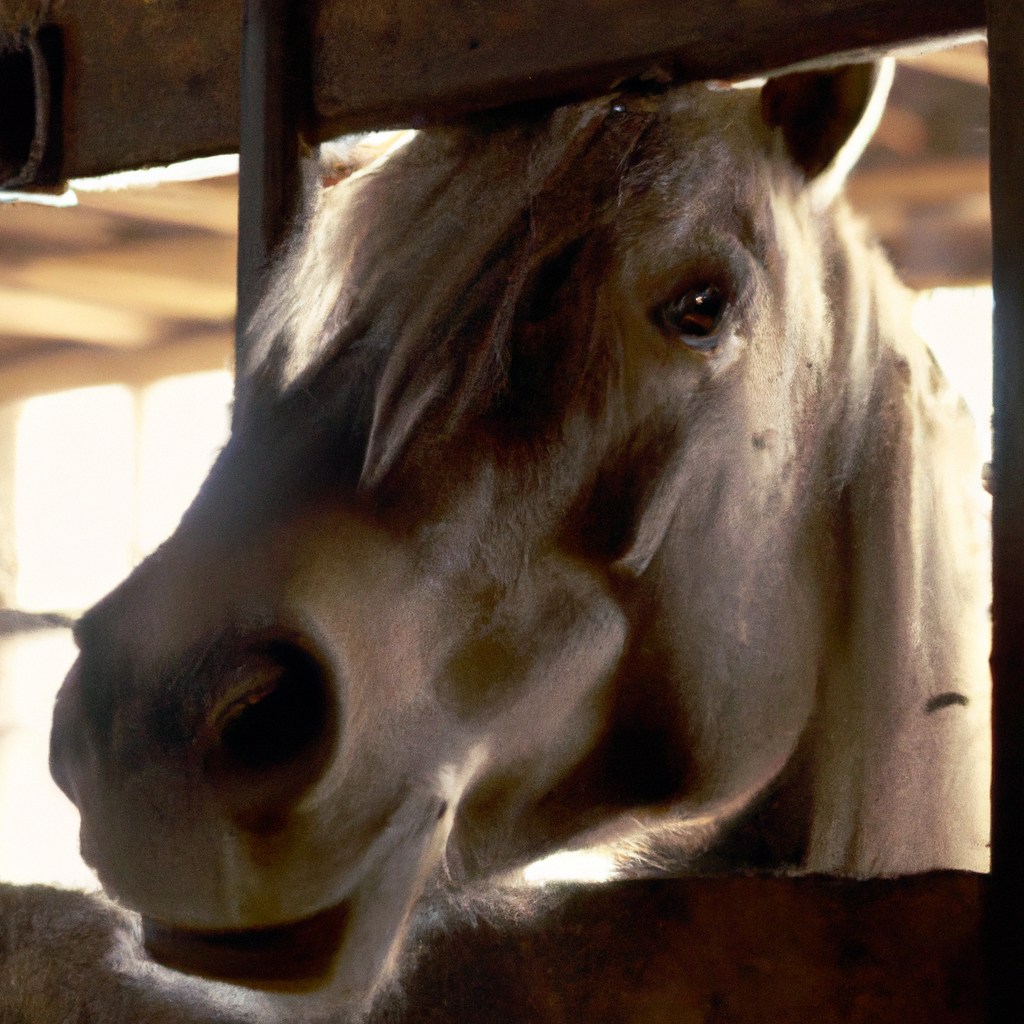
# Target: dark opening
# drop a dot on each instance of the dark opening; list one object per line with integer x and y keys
{"x": 32, "y": 84}
{"x": 17, "y": 111}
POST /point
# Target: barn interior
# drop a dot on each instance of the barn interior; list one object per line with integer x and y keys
{"x": 116, "y": 345}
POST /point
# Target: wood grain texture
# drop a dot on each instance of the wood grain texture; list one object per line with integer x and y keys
{"x": 150, "y": 83}
{"x": 147, "y": 83}
{"x": 397, "y": 62}
{"x": 703, "y": 950}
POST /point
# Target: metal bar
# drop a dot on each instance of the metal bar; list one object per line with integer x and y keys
{"x": 268, "y": 176}
{"x": 1005, "y": 924}
{"x": 747, "y": 950}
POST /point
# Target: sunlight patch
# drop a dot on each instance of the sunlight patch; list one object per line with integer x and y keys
{"x": 103, "y": 475}
{"x": 572, "y": 866}
{"x": 957, "y": 325}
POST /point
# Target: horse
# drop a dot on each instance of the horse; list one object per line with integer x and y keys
{"x": 587, "y": 489}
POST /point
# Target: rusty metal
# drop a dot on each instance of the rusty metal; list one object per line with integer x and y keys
{"x": 150, "y": 83}
{"x": 143, "y": 83}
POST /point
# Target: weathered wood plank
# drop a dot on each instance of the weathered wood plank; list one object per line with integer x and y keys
{"x": 398, "y": 62}
{"x": 150, "y": 83}
{"x": 1005, "y": 926}
{"x": 744, "y": 950}
{"x": 143, "y": 83}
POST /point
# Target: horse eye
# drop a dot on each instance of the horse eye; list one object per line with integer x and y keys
{"x": 695, "y": 316}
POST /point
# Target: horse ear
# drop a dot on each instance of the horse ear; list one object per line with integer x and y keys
{"x": 827, "y": 117}
{"x": 902, "y": 751}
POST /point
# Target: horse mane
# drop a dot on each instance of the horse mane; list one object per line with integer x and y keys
{"x": 375, "y": 335}
{"x": 394, "y": 310}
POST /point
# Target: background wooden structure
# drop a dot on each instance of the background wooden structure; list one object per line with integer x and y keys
{"x": 140, "y": 282}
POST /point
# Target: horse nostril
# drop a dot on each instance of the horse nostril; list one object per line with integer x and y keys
{"x": 278, "y": 722}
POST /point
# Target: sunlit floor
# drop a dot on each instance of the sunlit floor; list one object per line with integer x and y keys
{"x": 102, "y": 475}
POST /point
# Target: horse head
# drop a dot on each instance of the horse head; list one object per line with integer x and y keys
{"x": 587, "y": 487}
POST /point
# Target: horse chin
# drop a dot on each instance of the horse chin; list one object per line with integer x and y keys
{"x": 299, "y": 957}
{"x": 348, "y": 949}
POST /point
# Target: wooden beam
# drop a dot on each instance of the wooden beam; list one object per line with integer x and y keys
{"x": 745, "y": 950}
{"x": 150, "y": 83}
{"x": 737, "y": 950}
{"x": 143, "y": 83}
{"x": 922, "y": 184}
{"x": 399, "y": 62}
{"x": 129, "y": 269}
{"x": 1005, "y": 926}
{"x": 211, "y": 205}
{"x": 29, "y": 313}
{"x": 932, "y": 217}
{"x": 59, "y": 367}
{"x": 136, "y": 290}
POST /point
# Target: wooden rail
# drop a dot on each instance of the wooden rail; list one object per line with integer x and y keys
{"x": 150, "y": 83}
{"x": 1004, "y": 926}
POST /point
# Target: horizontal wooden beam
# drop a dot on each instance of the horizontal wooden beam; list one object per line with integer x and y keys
{"x": 398, "y": 62}
{"x": 923, "y": 184}
{"x": 31, "y": 313}
{"x": 140, "y": 83}
{"x": 966, "y": 63}
{"x": 150, "y": 295}
{"x": 742, "y": 950}
{"x": 60, "y": 367}
{"x": 211, "y": 205}
{"x": 151, "y": 83}
{"x": 932, "y": 217}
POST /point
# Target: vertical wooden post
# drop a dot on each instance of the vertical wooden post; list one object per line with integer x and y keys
{"x": 275, "y": 73}
{"x": 1005, "y": 925}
